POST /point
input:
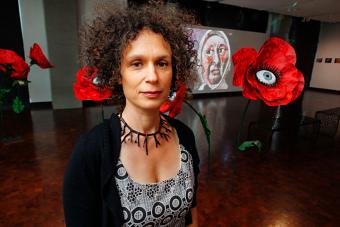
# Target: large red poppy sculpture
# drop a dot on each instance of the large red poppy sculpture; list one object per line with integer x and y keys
{"x": 14, "y": 72}
{"x": 174, "y": 104}
{"x": 88, "y": 85}
{"x": 270, "y": 74}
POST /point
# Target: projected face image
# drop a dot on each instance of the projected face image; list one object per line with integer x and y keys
{"x": 214, "y": 56}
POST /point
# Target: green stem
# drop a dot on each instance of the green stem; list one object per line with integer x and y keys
{"x": 242, "y": 123}
{"x": 186, "y": 102}
{"x": 207, "y": 134}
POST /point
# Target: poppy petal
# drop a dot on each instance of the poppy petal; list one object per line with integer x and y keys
{"x": 242, "y": 60}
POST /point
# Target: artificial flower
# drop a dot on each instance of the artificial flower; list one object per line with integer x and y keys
{"x": 38, "y": 57}
{"x": 175, "y": 106}
{"x": 87, "y": 86}
{"x": 12, "y": 63}
{"x": 270, "y": 74}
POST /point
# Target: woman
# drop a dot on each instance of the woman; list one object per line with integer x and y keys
{"x": 139, "y": 168}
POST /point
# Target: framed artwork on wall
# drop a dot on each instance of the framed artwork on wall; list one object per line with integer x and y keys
{"x": 337, "y": 60}
{"x": 214, "y": 60}
{"x": 328, "y": 60}
{"x": 215, "y": 47}
{"x": 319, "y": 60}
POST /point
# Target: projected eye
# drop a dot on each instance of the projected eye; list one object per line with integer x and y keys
{"x": 209, "y": 52}
{"x": 97, "y": 81}
{"x": 221, "y": 50}
{"x": 266, "y": 77}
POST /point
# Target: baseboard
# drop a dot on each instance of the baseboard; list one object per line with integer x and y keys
{"x": 324, "y": 90}
{"x": 40, "y": 105}
{"x": 217, "y": 94}
{"x": 89, "y": 103}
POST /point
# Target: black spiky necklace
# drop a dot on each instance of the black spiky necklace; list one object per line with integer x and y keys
{"x": 131, "y": 135}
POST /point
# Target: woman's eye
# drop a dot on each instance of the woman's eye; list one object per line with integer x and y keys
{"x": 266, "y": 77}
{"x": 136, "y": 64}
{"x": 162, "y": 64}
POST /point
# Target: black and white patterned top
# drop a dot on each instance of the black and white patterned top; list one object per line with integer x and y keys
{"x": 165, "y": 203}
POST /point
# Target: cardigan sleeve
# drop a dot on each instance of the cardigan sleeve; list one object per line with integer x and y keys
{"x": 196, "y": 162}
{"x": 80, "y": 193}
{"x": 189, "y": 141}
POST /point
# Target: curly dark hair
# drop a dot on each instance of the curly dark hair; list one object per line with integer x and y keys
{"x": 103, "y": 41}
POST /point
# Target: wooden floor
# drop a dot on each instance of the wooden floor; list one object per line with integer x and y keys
{"x": 292, "y": 185}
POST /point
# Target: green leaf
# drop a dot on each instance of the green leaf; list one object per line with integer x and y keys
{"x": 204, "y": 123}
{"x": 4, "y": 92}
{"x": 206, "y": 128}
{"x": 17, "y": 105}
{"x": 249, "y": 144}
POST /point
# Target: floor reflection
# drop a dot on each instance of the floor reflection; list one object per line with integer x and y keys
{"x": 295, "y": 186}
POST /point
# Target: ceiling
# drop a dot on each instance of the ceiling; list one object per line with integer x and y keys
{"x": 322, "y": 10}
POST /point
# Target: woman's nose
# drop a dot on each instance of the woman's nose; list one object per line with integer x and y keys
{"x": 151, "y": 74}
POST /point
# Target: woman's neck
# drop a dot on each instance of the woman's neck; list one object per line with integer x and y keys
{"x": 141, "y": 121}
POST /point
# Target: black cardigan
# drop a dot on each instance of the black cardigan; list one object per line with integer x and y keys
{"x": 90, "y": 194}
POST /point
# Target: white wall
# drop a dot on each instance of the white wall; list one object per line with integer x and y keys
{"x": 54, "y": 25}
{"x": 34, "y": 30}
{"x": 327, "y": 75}
{"x": 86, "y": 8}
{"x": 62, "y": 36}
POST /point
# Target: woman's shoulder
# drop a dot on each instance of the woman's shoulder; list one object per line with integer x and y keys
{"x": 93, "y": 135}
{"x": 89, "y": 143}
{"x": 97, "y": 133}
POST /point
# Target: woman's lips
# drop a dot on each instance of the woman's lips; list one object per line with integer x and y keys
{"x": 151, "y": 94}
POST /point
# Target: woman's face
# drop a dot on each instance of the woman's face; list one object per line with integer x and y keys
{"x": 214, "y": 58}
{"x": 146, "y": 70}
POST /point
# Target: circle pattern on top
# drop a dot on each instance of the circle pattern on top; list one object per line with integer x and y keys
{"x": 138, "y": 214}
{"x": 158, "y": 209}
{"x": 121, "y": 173}
{"x": 127, "y": 214}
{"x": 184, "y": 156}
{"x": 160, "y": 204}
{"x": 189, "y": 194}
{"x": 175, "y": 203}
